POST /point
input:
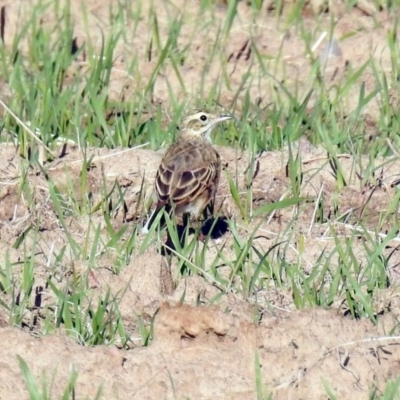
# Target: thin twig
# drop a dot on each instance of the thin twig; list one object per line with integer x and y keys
{"x": 25, "y": 126}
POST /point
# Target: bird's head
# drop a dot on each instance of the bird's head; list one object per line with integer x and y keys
{"x": 200, "y": 124}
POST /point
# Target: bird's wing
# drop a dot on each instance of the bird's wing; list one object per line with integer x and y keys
{"x": 186, "y": 172}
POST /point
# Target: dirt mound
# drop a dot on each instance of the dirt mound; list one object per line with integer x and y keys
{"x": 202, "y": 352}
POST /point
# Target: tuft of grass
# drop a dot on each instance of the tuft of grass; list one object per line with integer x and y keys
{"x": 44, "y": 392}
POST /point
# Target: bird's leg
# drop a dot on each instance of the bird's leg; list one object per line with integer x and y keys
{"x": 210, "y": 207}
{"x": 208, "y": 210}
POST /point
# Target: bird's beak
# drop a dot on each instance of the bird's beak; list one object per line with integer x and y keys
{"x": 224, "y": 117}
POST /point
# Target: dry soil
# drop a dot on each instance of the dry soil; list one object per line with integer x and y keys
{"x": 203, "y": 352}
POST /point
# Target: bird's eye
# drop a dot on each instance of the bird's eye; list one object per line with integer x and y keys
{"x": 203, "y": 117}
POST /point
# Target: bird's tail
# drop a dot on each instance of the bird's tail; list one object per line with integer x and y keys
{"x": 167, "y": 208}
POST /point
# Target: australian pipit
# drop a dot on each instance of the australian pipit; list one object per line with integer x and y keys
{"x": 188, "y": 176}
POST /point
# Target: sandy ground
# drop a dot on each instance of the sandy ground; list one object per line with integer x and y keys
{"x": 202, "y": 352}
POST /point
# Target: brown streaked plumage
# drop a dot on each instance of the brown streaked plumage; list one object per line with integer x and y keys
{"x": 188, "y": 176}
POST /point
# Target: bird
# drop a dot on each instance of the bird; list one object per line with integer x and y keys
{"x": 188, "y": 176}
